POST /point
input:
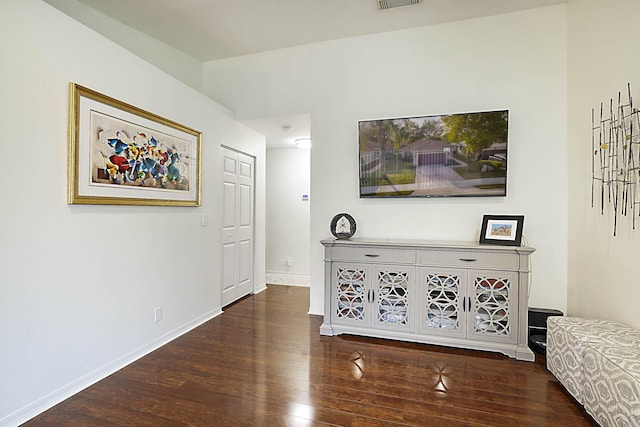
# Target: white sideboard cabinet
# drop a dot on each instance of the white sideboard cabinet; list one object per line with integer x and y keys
{"x": 445, "y": 293}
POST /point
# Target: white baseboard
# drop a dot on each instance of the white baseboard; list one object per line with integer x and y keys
{"x": 279, "y": 278}
{"x": 48, "y": 401}
{"x": 260, "y": 289}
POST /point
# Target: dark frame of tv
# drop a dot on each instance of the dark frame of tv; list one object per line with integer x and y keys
{"x": 452, "y": 155}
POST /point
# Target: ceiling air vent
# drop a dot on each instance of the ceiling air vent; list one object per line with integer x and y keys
{"x": 391, "y": 4}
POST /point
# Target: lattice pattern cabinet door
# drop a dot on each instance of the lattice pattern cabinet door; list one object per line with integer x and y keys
{"x": 494, "y": 296}
{"x": 351, "y": 289}
{"x": 442, "y": 298}
{"x": 393, "y": 297}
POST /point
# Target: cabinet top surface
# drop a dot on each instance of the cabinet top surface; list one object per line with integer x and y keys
{"x": 426, "y": 244}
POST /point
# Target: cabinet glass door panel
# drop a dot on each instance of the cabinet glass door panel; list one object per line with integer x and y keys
{"x": 493, "y": 295}
{"x": 350, "y": 293}
{"x": 442, "y": 292}
{"x": 392, "y": 293}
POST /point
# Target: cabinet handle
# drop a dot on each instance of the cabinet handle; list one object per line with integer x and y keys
{"x": 372, "y": 255}
{"x": 468, "y": 259}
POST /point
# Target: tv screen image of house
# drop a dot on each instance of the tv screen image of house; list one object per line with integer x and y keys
{"x": 435, "y": 156}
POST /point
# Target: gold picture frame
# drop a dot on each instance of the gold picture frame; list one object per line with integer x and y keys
{"x": 119, "y": 154}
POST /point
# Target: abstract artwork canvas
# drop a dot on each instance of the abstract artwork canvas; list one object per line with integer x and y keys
{"x": 121, "y": 154}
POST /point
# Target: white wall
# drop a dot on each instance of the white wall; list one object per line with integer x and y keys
{"x": 79, "y": 283}
{"x": 603, "y": 270}
{"x": 288, "y": 215}
{"x": 169, "y": 59}
{"x": 515, "y": 61}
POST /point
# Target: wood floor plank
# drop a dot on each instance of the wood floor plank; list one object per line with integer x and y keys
{"x": 264, "y": 363}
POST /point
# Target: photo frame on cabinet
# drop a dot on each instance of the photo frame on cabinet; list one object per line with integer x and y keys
{"x": 503, "y": 230}
{"x": 119, "y": 154}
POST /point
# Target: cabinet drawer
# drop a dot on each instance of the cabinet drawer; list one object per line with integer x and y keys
{"x": 470, "y": 259}
{"x": 374, "y": 255}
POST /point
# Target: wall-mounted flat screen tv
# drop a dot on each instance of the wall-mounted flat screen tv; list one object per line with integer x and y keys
{"x": 435, "y": 156}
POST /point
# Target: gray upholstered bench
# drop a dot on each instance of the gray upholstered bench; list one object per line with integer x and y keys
{"x": 598, "y": 362}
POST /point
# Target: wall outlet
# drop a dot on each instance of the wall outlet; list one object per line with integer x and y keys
{"x": 288, "y": 261}
{"x": 157, "y": 314}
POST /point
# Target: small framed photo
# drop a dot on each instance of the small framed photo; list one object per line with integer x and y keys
{"x": 502, "y": 229}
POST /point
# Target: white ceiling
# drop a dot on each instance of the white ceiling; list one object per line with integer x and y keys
{"x": 282, "y": 132}
{"x": 216, "y": 29}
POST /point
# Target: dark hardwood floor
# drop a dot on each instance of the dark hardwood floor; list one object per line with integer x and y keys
{"x": 263, "y": 363}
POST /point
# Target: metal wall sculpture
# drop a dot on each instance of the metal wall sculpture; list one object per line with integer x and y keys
{"x": 615, "y": 160}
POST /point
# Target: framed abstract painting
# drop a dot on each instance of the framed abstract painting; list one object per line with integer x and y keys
{"x": 123, "y": 155}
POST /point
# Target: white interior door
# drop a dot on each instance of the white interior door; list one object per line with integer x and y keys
{"x": 237, "y": 226}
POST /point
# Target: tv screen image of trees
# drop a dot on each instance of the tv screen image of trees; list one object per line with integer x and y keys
{"x": 434, "y": 156}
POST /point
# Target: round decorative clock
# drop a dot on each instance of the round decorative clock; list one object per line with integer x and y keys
{"x": 343, "y": 226}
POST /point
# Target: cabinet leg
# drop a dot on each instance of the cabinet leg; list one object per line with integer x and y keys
{"x": 326, "y": 329}
{"x": 525, "y": 353}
